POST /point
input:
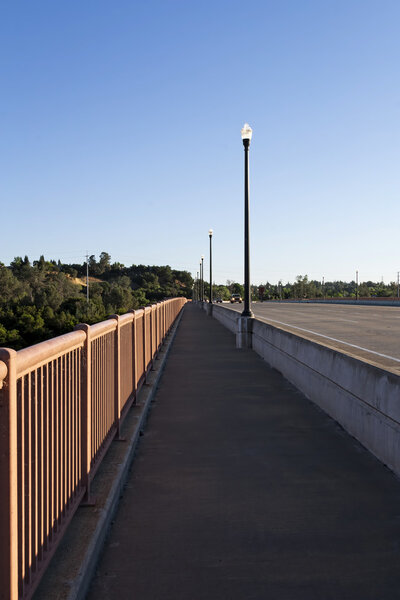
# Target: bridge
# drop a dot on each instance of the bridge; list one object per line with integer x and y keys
{"x": 241, "y": 487}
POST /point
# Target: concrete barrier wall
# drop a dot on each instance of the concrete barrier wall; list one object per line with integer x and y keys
{"x": 228, "y": 318}
{"x": 363, "y": 398}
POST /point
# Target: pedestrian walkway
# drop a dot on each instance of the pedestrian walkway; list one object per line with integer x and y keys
{"x": 242, "y": 489}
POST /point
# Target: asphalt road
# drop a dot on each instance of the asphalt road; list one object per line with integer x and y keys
{"x": 368, "y": 332}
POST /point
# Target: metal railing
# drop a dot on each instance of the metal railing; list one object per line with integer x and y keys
{"x": 62, "y": 403}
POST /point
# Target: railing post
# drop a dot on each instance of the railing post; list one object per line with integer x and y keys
{"x": 134, "y": 354}
{"x": 86, "y": 411}
{"x": 158, "y": 339}
{"x": 144, "y": 344}
{"x": 8, "y": 479}
{"x": 117, "y": 376}
{"x": 151, "y": 334}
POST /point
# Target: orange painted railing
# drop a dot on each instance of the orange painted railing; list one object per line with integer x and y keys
{"x": 62, "y": 403}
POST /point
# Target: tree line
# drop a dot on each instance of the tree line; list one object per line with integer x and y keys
{"x": 304, "y": 288}
{"x": 46, "y": 298}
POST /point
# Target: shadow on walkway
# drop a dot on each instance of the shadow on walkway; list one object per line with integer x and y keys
{"x": 242, "y": 489}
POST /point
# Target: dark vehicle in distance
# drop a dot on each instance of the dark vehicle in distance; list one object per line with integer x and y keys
{"x": 219, "y": 299}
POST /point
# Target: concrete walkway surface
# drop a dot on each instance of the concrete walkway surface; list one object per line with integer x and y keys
{"x": 243, "y": 489}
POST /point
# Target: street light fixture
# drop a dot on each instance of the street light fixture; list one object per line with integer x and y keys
{"x": 247, "y": 133}
{"x": 210, "y": 233}
{"x": 202, "y": 278}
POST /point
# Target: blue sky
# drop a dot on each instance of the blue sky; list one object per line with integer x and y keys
{"x": 120, "y": 131}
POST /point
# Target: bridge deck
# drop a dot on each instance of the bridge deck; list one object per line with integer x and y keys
{"x": 242, "y": 489}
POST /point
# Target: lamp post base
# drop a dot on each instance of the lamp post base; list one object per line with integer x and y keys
{"x": 209, "y": 309}
{"x": 244, "y": 335}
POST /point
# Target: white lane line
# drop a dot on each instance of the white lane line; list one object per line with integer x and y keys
{"x": 334, "y": 339}
{"x": 347, "y": 320}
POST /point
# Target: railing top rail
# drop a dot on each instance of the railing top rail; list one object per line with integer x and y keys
{"x": 126, "y": 318}
{"x": 99, "y": 329}
{"x": 37, "y": 355}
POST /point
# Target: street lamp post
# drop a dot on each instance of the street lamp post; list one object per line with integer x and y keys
{"x": 210, "y": 233}
{"x": 200, "y": 298}
{"x": 246, "y": 137}
{"x": 202, "y": 278}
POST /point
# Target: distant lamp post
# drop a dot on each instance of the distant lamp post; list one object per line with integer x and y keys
{"x": 210, "y": 233}
{"x": 200, "y": 282}
{"x": 246, "y": 132}
{"x": 202, "y": 278}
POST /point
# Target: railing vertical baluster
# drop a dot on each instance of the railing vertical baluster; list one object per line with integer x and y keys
{"x": 8, "y": 480}
{"x": 52, "y": 478}
{"x": 40, "y": 461}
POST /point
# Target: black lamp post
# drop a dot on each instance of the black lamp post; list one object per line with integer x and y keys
{"x": 202, "y": 278}
{"x": 210, "y": 233}
{"x": 246, "y": 137}
{"x": 200, "y": 282}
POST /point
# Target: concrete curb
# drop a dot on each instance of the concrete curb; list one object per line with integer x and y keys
{"x": 76, "y": 587}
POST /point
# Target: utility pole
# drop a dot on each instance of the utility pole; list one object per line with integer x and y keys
{"x": 87, "y": 278}
{"x": 398, "y": 285}
{"x": 323, "y": 288}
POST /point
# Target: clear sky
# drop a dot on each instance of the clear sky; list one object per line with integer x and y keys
{"x": 120, "y": 131}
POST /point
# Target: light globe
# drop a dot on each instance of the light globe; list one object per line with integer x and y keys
{"x": 246, "y": 132}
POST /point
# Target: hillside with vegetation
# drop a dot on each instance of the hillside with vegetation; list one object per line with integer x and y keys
{"x": 44, "y": 299}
